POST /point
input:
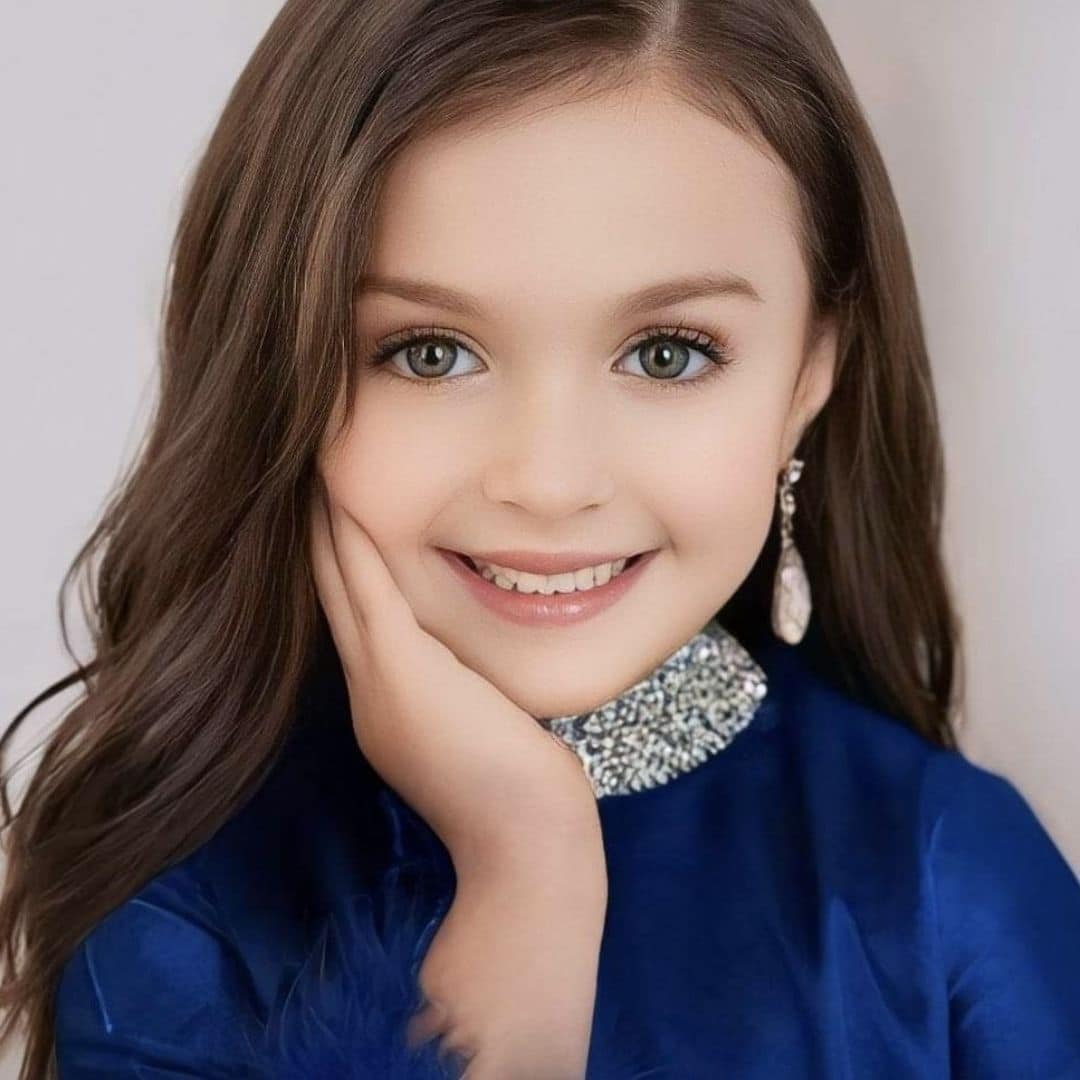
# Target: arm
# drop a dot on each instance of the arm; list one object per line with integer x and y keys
{"x": 1009, "y": 913}
{"x": 517, "y": 954}
{"x": 157, "y": 992}
{"x": 509, "y": 986}
{"x": 154, "y": 991}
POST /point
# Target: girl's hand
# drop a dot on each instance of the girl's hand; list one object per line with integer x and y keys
{"x": 512, "y": 804}
{"x": 516, "y": 961}
{"x": 466, "y": 757}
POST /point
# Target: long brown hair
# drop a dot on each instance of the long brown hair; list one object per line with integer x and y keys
{"x": 203, "y": 613}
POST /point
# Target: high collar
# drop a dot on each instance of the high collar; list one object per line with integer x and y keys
{"x": 688, "y": 708}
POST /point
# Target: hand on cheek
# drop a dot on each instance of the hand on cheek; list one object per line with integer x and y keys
{"x": 513, "y": 806}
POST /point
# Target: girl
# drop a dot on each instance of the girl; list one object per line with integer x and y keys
{"x": 537, "y": 377}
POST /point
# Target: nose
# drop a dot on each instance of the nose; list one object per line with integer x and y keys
{"x": 550, "y": 455}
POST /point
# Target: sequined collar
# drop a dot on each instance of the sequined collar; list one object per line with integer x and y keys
{"x": 691, "y": 706}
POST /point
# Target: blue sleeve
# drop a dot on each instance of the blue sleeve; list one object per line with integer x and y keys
{"x": 1008, "y": 908}
{"x": 157, "y": 991}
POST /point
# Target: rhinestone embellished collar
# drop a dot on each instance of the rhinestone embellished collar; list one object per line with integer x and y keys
{"x": 691, "y": 706}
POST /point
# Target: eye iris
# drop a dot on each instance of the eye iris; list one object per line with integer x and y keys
{"x": 664, "y": 354}
{"x": 432, "y": 357}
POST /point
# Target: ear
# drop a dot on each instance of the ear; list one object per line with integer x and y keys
{"x": 813, "y": 388}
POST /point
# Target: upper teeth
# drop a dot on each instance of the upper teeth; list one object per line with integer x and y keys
{"x": 571, "y": 581}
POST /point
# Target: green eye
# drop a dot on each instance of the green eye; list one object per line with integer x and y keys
{"x": 430, "y": 353}
{"x": 657, "y": 352}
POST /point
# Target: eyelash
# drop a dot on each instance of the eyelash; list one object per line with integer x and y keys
{"x": 712, "y": 347}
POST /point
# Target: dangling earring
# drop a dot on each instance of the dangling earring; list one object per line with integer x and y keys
{"x": 791, "y": 587}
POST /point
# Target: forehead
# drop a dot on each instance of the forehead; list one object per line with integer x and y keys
{"x": 574, "y": 203}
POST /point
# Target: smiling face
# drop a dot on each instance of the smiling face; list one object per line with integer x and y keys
{"x": 543, "y": 423}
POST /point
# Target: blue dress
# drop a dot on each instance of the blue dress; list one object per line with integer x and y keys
{"x": 829, "y": 896}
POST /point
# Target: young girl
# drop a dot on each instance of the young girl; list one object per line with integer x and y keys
{"x": 524, "y": 641}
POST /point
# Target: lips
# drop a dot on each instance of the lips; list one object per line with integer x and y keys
{"x": 542, "y": 609}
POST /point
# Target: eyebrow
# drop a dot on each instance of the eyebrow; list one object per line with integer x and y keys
{"x": 651, "y": 298}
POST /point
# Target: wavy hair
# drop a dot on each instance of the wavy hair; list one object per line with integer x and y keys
{"x": 203, "y": 614}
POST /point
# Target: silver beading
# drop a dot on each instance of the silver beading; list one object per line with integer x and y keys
{"x": 687, "y": 709}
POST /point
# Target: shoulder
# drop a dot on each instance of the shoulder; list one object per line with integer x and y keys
{"x": 991, "y": 859}
{"x": 1006, "y": 910}
{"x": 851, "y": 743}
{"x": 920, "y": 836}
{"x": 864, "y": 758}
{"x": 878, "y": 779}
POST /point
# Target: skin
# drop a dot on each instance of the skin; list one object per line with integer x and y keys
{"x": 549, "y": 433}
{"x": 510, "y": 977}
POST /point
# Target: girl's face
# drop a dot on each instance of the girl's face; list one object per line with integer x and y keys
{"x": 546, "y": 426}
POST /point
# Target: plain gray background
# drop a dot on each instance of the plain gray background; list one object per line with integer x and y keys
{"x": 106, "y": 108}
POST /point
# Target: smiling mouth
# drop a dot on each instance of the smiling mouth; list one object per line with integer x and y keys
{"x": 476, "y": 570}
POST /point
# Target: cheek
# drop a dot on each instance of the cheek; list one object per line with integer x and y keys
{"x": 716, "y": 491}
{"x": 732, "y": 521}
{"x": 391, "y": 474}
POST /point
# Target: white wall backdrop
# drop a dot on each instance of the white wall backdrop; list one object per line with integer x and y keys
{"x": 105, "y": 108}
{"x": 976, "y": 104}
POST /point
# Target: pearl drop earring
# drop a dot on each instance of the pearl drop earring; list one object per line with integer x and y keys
{"x": 791, "y": 604}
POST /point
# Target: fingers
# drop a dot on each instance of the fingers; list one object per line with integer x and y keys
{"x": 430, "y": 1022}
{"x": 426, "y": 1024}
{"x": 346, "y": 629}
{"x": 457, "y": 1062}
{"x": 377, "y": 602}
{"x": 372, "y": 623}
{"x": 327, "y": 572}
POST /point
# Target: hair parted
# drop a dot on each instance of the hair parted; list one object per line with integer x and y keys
{"x": 204, "y": 617}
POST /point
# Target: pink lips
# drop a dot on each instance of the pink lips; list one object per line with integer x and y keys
{"x": 537, "y": 609}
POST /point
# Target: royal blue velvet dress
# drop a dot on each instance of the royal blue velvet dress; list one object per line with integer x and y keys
{"x": 830, "y": 896}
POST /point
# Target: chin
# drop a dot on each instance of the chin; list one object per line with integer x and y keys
{"x": 544, "y": 701}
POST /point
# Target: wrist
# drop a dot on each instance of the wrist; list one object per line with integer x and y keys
{"x": 563, "y": 846}
{"x": 542, "y": 801}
